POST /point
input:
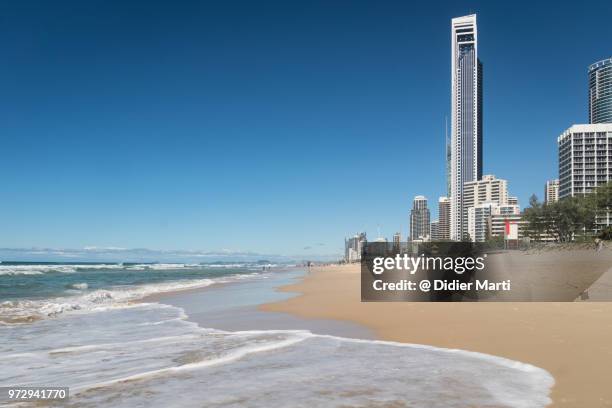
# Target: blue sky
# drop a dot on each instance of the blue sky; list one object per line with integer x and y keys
{"x": 273, "y": 127}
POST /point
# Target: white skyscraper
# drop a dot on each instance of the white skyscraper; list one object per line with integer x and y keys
{"x": 466, "y": 112}
{"x": 419, "y": 219}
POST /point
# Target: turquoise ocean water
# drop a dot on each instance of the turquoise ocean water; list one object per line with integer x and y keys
{"x": 78, "y": 325}
{"x": 33, "y": 290}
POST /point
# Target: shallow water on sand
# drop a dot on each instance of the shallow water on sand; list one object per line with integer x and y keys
{"x": 150, "y": 355}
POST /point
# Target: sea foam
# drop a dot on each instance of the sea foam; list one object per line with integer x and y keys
{"x": 153, "y": 357}
{"x": 34, "y": 309}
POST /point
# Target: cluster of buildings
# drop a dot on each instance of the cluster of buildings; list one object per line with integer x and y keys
{"x": 585, "y": 150}
{"x": 353, "y": 246}
{"x": 478, "y": 207}
{"x": 487, "y": 208}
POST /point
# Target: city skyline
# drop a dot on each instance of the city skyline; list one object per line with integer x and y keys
{"x": 235, "y": 140}
{"x": 480, "y": 204}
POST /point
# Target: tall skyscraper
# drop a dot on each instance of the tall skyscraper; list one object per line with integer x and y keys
{"x": 443, "y": 218}
{"x": 551, "y": 191}
{"x": 466, "y": 111}
{"x": 419, "y": 219}
{"x": 600, "y": 92}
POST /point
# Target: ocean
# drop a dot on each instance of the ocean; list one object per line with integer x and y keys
{"x": 79, "y": 325}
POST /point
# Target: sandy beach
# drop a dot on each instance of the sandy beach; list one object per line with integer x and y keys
{"x": 573, "y": 341}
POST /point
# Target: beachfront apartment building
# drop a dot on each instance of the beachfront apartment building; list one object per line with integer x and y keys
{"x": 489, "y": 219}
{"x": 466, "y": 117}
{"x": 585, "y": 158}
{"x": 489, "y": 189}
{"x": 501, "y": 223}
{"x": 551, "y": 191}
{"x": 585, "y": 162}
{"x": 478, "y": 221}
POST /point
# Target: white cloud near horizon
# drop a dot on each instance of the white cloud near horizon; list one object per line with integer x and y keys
{"x": 118, "y": 254}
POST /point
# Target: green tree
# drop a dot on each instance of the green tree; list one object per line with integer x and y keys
{"x": 533, "y": 215}
{"x": 601, "y": 198}
{"x": 570, "y": 217}
{"x": 601, "y": 201}
{"x": 564, "y": 220}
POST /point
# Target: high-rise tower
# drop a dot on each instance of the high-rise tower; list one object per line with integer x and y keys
{"x": 466, "y": 113}
{"x": 600, "y": 92}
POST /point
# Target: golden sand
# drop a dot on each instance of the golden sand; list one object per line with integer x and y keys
{"x": 573, "y": 341}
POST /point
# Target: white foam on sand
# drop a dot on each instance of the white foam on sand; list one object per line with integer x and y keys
{"x": 151, "y": 356}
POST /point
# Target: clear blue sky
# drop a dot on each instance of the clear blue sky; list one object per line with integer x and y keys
{"x": 275, "y": 127}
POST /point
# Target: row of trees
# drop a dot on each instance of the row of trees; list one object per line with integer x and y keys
{"x": 572, "y": 218}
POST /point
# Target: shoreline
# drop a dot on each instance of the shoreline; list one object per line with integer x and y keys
{"x": 569, "y": 340}
{"x": 234, "y": 306}
{"x": 241, "y": 306}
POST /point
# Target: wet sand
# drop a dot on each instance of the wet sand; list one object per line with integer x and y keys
{"x": 234, "y": 307}
{"x": 572, "y": 340}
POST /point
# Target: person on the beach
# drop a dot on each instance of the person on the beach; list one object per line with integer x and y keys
{"x": 598, "y": 244}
